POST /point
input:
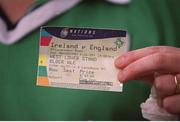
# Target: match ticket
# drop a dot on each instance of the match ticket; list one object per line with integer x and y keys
{"x": 80, "y": 58}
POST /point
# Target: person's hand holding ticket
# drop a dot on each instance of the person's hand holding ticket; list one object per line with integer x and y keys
{"x": 159, "y": 66}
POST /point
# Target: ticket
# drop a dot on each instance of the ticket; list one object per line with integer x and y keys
{"x": 80, "y": 58}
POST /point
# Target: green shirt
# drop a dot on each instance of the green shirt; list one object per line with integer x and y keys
{"x": 149, "y": 22}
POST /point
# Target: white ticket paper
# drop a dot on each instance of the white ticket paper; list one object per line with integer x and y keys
{"x": 80, "y": 58}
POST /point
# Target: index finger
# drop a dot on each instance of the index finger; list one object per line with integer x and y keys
{"x": 163, "y": 63}
{"x": 132, "y": 56}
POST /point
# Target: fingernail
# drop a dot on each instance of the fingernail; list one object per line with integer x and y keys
{"x": 119, "y": 61}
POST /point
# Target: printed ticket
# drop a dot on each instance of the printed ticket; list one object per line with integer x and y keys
{"x": 80, "y": 58}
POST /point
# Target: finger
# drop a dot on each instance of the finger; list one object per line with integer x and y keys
{"x": 146, "y": 78}
{"x": 132, "y": 56}
{"x": 165, "y": 85}
{"x": 172, "y": 104}
{"x": 147, "y": 65}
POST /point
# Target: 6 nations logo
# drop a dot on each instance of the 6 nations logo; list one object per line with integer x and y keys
{"x": 76, "y": 32}
{"x": 64, "y": 32}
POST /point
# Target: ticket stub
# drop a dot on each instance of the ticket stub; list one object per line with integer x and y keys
{"x": 80, "y": 58}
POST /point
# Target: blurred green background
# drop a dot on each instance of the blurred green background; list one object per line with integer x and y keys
{"x": 149, "y": 22}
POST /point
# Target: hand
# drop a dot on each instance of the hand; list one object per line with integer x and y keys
{"x": 144, "y": 64}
